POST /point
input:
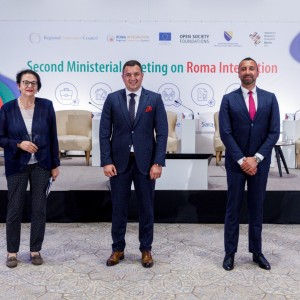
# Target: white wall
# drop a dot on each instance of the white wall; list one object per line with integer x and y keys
{"x": 152, "y": 10}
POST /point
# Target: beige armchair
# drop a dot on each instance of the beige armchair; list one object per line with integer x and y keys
{"x": 74, "y": 130}
{"x": 297, "y": 145}
{"x": 172, "y": 143}
{"x": 218, "y": 144}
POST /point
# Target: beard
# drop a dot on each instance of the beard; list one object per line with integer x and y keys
{"x": 248, "y": 81}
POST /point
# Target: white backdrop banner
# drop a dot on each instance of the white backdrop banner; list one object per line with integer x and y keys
{"x": 192, "y": 64}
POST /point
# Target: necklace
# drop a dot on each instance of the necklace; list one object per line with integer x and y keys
{"x": 25, "y": 105}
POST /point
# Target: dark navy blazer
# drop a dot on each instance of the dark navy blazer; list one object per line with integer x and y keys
{"x": 243, "y": 137}
{"x": 44, "y": 135}
{"x": 117, "y": 134}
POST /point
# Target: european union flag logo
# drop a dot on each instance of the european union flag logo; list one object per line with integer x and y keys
{"x": 165, "y": 36}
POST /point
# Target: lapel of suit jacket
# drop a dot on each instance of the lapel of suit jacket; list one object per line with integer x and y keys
{"x": 142, "y": 104}
{"x": 22, "y": 126}
{"x": 241, "y": 101}
{"x": 123, "y": 104}
{"x": 260, "y": 102}
{"x": 36, "y": 118}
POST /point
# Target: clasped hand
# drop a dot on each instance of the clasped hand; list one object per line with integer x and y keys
{"x": 29, "y": 147}
{"x": 249, "y": 166}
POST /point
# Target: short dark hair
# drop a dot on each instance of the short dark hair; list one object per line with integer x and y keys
{"x": 28, "y": 71}
{"x": 248, "y": 58}
{"x": 132, "y": 63}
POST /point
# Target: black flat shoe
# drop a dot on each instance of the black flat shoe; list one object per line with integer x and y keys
{"x": 261, "y": 261}
{"x": 228, "y": 262}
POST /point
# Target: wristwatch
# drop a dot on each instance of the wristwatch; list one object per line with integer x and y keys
{"x": 258, "y": 160}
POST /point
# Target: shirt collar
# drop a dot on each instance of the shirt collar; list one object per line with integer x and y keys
{"x": 245, "y": 91}
{"x": 138, "y": 92}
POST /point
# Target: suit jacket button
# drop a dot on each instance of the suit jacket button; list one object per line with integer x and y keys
{"x": 132, "y": 131}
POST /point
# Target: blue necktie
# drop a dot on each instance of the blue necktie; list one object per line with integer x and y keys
{"x": 132, "y": 107}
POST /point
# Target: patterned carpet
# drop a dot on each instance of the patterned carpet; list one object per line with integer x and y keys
{"x": 188, "y": 261}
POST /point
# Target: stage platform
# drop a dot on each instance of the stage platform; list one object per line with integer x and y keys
{"x": 81, "y": 194}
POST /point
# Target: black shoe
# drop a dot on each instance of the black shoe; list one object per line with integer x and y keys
{"x": 228, "y": 262}
{"x": 261, "y": 261}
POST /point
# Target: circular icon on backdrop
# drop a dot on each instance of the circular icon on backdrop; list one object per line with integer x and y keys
{"x": 66, "y": 94}
{"x": 170, "y": 94}
{"x": 34, "y": 38}
{"x": 232, "y": 87}
{"x": 99, "y": 92}
{"x": 203, "y": 94}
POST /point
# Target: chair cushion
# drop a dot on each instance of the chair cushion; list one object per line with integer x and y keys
{"x": 74, "y": 142}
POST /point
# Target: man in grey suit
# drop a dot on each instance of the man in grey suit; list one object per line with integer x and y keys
{"x": 249, "y": 128}
{"x": 133, "y": 140}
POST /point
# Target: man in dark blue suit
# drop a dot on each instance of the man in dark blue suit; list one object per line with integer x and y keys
{"x": 133, "y": 139}
{"x": 249, "y": 131}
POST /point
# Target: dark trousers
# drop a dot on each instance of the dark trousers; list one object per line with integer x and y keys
{"x": 120, "y": 195}
{"x": 17, "y": 185}
{"x": 256, "y": 187}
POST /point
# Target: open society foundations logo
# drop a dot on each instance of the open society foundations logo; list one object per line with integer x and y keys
{"x": 194, "y": 38}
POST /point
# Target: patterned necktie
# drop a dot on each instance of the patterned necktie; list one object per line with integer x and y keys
{"x": 252, "y": 109}
{"x": 132, "y": 107}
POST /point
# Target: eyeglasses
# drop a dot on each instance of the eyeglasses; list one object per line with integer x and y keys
{"x": 27, "y": 83}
